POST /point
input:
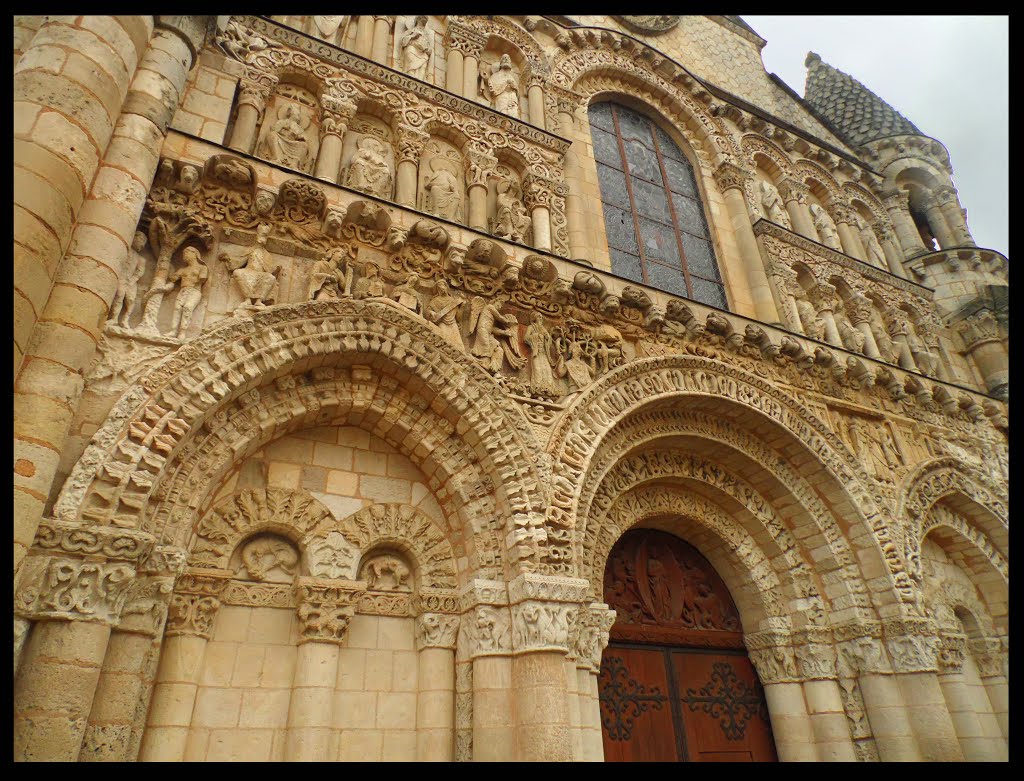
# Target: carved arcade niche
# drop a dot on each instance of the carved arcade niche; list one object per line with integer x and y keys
{"x": 367, "y": 157}
{"x": 290, "y": 132}
{"x": 441, "y": 188}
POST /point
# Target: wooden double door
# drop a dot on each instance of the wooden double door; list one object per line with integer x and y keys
{"x": 676, "y": 684}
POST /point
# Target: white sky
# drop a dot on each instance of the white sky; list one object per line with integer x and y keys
{"x": 949, "y": 75}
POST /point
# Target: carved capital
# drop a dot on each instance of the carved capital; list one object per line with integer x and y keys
{"x": 979, "y": 328}
{"x": 566, "y": 101}
{"x": 844, "y": 213}
{"x": 145, "y": 609}
{"x": 465, "y": 39}
{"x": 486, "y": 630}
{"x": 537, "y": 191}
{"x": 860, "y": 656}
{"x": 192, "y": 614}
{"x": 815, "y": 655}
{"x": 944, "y": 195}
{"x": 590, "y": 638}
{"x": 479, "y": 167}
{"x": 729, "y": 176}
{"x": 951, "y": 650}
{"x": 895, "y": 199}
{"x": 410, "y": 142}
{"x": 325, "y": 608}
{"x": 72, "y": 588}
{"x": 542, "y": 626}
{"x": 823, "y": 296}
{"x": 859, "y": 308}
{"x": 105, "y": 542}
{"x": 912, "y": 645}
{"x": 255, "y": 95}
{"x": 990, "y": 655}
{"x": 792, "y": 190}
{"x": 772, "y": 655}
{"x": 436, "y": 630}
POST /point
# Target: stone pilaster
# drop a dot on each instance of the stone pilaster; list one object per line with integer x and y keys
{"x": 436, "y": 636}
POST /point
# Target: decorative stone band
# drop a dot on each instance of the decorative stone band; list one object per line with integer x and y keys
{"x": 436, "y": 630}
{"x": 951, "y": 650}
{"x": 325, "y": 608}
{"x": 385, "y": 603}
{"x": 590, "y": 636}
{"x": 104, "y": 542}
{"x": 548, "y": 588}
{"x": 431, "y": 600}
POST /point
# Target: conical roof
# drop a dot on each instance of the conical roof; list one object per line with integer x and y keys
{"x": 851, "y": 109}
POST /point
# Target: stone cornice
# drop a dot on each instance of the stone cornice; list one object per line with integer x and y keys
{"x": 353, "y": 63}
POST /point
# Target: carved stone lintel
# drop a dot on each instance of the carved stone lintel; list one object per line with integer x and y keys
{"x": 436, "y": 630}
{"x": 325, "y": 608}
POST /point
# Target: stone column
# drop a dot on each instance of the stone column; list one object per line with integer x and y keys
{"x": 860, "y": 310}
{"x": 565, "y": 126}
{"x": 912, "y": 649}
{"x": 863, "y": 656}
{"x": 73, "y": 586}
{"x": 64, "y": 341}
{"x": 436, "y": 635}
{"x": 337, "y": 114}
{"x": 941, "y": 229}
{"x": 948, "y": 202}
{"x": 824, "y": 298}
{"x": 364, "y": 36}
{"x": 794, "y": 195}
{"x": 897, "y": 203}
{"x": 730, "y": 179}
{"x": 453, "y": 75}
{"x": 123, "y": 691}
{"x": 479, "y": 167}
{"x": 542, "y": 607}
{"x": 986, "y": 347}
{"x": 772, "y": 655}
{"x": 846, "y": 224}
{"x": 887, "y": 238}
{"x": 898, "y": 329}
{"x": 381, "y": 39}
{"x": 190, "y": 622}
{"x": 816, "y": 663}
{"x": 593, "y": 623}
{"x": 69, "y": 86}
{"x": 411, "y": 141}
{"x": 485, "y": 637}
{"x": 784, "y": 279}
{"x": 325, "y": 608}
{"x": 537, "y": 198}
{"x": 990, "y": 656}
{"x": 252, "y": 100}
{"x": 535, "y": 99}
{"x": 965, "y": 708}
{"x": 468, "y": 43}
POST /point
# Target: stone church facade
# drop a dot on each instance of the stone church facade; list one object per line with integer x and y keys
{"x": 495, "y": 388}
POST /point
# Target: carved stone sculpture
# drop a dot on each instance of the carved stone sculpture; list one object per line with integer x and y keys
{"x": 511, "y": 219}
{"x": 502, "y": 87}
{"x": 369, "y": 170}
{"x": 405, "y": 294}
{"x": 772, "y": 204}
{"x": 254, "y": 274}
{"x": 269, "y": 558}
{"x": 190, "y": 280}
{"x": 331, "y": 276}
{"x": 852, "y": 338}
{"x": 286, "y": 142}
{"x": 538, "y": 339}
{"x": 370, "y": 285}
{"x": 443, "y": 193}
{"x": 240, "y": 42}
{"x": 417, "y": 46}
{"x": 876, "y": 257}
{"x": 386, "y": 573}
{"x": 128, "y": 288}
{"x": 443, "y": 312}
{"x": 827, "y": 232}
{"x": 326, "y": 27}
{"x": 494, "y": 337}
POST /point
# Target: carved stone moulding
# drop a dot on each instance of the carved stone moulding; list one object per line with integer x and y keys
{"x": 650, "y": 24}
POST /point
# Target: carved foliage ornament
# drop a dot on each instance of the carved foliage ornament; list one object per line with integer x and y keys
{"x": 650, "y": 24}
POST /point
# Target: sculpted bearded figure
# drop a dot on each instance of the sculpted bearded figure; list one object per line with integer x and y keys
{"x": 255, "y": 275}
{"x": 417, "y": 47}
{"x": 502, "y": 88}
{"x": 494, "y": 336}
{"x": 369, "y": 170}
{"x": 510, "y": 219}
{"x": 876, "y": 257}
{"x": 286, "y": 143}
{"x": 537, "y": 338}
{"x": 443, "y": 194}
{"x": 772, "y": 202}
{"x": 827, "y": 232}
{"x": 443, "y": 311}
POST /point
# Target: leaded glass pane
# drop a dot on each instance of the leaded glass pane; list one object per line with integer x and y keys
{"x": 634, "y": 126}
{"x": 659, "y": 242}
{"x": 642, "y": 161}
{"x": 621, "y": 233}
{"x": 668, "y": 146}
{"x": 626, "y": 265}
{"x": 690, "y": 215}
{"x": 699, "y": 258}
{"x": 601, "y": 115}
{"x": 708, "y": 292}
{"x": 613, "y": 185}
{"x": 606, "y": 148}
{"x": 650, "y": 200}
{"x": 680, "y": 177}
{"x": 667, "y": 279}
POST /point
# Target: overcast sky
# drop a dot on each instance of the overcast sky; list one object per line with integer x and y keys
{"x": 949, "y": 75}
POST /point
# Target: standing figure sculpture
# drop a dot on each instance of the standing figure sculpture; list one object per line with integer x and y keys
{"x": 369, "y": 170}
{"x": 190, "y": 280}
{"x": 827, "y": 232}
{"x": 443, "y": 193}
{"x": 494, "y": 336}
{"x": 417, "y": 49}
{"x": 540, "y": 342}
{"x": 502, "y": 88}
{"x": 253, "y": 272}
{"x": 286, "y": 142}
{"x": 443, "y": 311}
{"x": 511, "y": 221}
{"x": 771, "y": 201}
{"x": 876, "y": 257}
{"x": 128, "y": 288}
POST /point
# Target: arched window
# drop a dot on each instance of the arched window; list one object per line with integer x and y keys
{"x": 653, "y": 215}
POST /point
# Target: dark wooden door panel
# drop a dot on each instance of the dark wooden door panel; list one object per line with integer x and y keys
{"x": 723, "y": 709}
{"x": 636, "y": 707}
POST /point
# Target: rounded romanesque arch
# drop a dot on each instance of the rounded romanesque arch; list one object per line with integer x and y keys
{"x": 754, "y": 144}
{"x": 156, "y": 460}
{"x": 579, "y": 439}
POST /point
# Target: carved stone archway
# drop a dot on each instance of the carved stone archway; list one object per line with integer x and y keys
{"x": 133, "y": 467}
